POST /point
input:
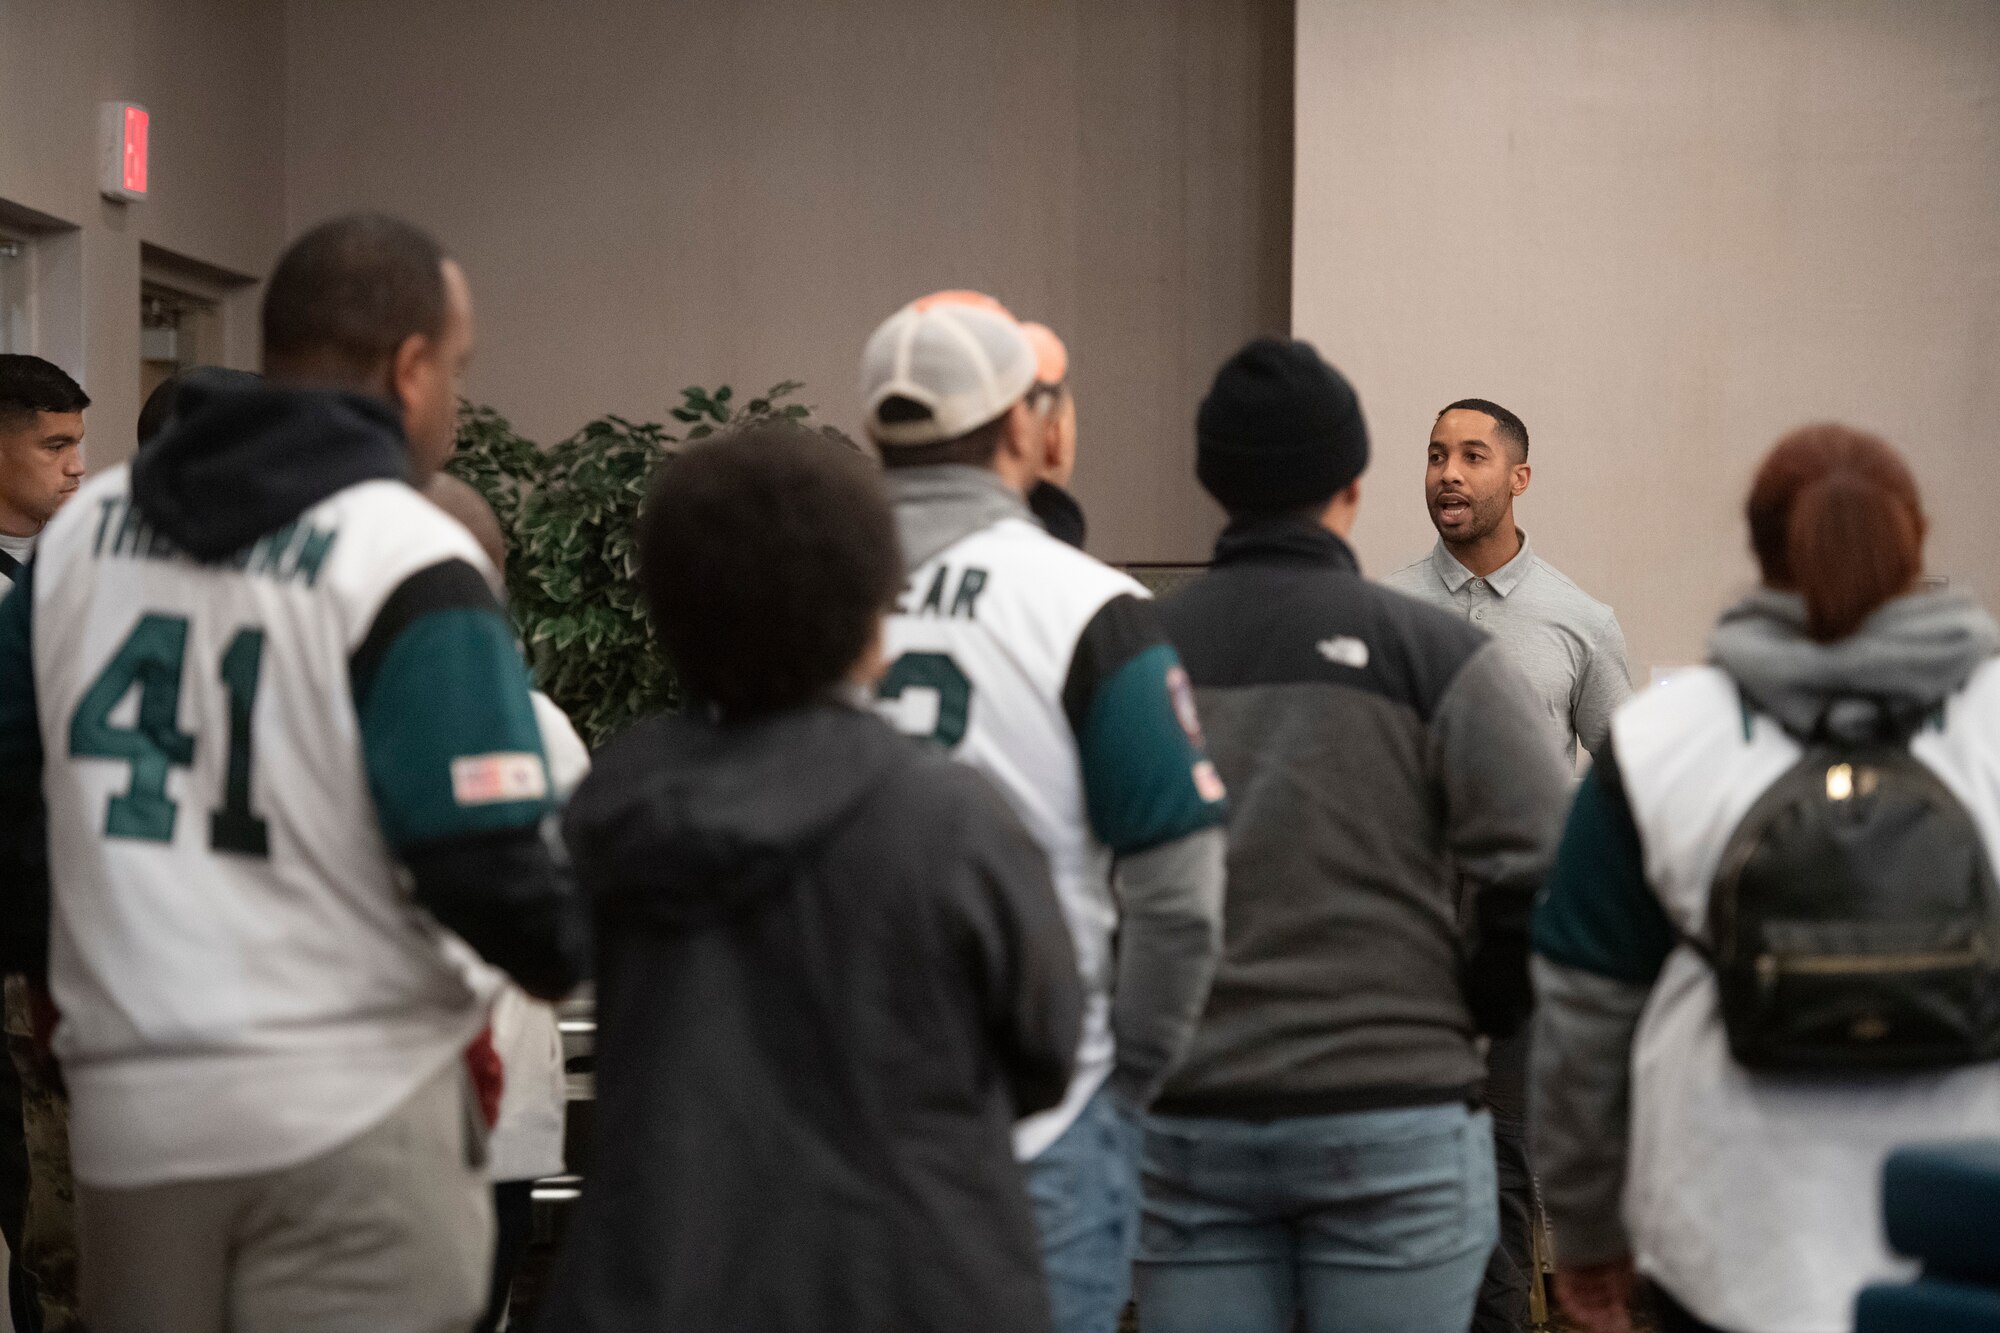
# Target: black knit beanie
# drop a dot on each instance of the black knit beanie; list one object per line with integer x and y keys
{"x": 1280, "y": 429}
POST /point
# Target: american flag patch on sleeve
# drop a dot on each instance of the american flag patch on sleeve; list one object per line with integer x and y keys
{"x": 490, "y": 779}
{"x": 1208, "y": 782}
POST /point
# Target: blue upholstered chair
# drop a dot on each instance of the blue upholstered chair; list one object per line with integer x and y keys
{"x": 1942, "y": 1206}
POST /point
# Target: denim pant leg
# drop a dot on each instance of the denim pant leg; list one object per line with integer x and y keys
{"x": 1376, "y": 1220}
{"x": 1216, "y": 1251}
{"x": 1085, "y": 1192}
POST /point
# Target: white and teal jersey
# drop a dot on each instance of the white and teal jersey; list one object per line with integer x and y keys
{"x": 1047, "y": 671}
{"x": 235, "y": 757}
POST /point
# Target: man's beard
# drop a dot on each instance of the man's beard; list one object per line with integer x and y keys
{"x": 1483, "y": 520}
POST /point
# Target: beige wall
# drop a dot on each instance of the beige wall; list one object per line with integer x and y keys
{"x": 1663, "y": 234}
{"x": 648, "y": 195}
{"x": 211, "y": 72}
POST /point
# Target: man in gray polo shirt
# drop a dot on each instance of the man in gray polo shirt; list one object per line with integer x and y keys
{"x": 1569, "y": 646}
{"x": 1483, "y": 568}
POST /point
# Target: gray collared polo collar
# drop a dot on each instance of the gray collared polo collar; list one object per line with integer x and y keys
{"x": 1502, "y": 580}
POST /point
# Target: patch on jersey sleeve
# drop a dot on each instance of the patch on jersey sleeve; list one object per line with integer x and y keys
{"x": 1146, "y": 780}
{"x": 1181, "y": 690}
{"x": 1209, "y": 782}
{"x": 486, "y": 779}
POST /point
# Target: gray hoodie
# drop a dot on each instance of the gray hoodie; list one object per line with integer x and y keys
{"x": 1911, "y": 653}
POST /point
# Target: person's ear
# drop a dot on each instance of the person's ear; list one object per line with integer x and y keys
{"x": 1021, "y": 437}
{"x": 410, "y": 369}
{"x": 866, "y": 670}
{"x": 1523, "y": 474}
{"x": 1347, "y": 502}
{"x": 1050, "y": 415}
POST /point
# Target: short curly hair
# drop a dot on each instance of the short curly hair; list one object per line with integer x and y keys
{"x": 768, "y": 556}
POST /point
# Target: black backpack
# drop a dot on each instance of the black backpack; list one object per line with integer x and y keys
{"x": 1854, "y": 923}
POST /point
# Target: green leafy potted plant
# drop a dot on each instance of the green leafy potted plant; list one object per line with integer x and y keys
{"x": 569, "y": 514}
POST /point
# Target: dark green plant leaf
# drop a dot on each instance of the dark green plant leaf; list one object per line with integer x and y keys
{"x": 568, "y": 512}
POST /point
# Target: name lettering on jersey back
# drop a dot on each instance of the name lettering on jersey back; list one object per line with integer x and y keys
{"x": 948, "y": 595}
{"x": 295, "y": 552}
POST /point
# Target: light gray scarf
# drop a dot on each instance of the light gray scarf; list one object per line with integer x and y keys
{"x": 1910, "y": 655}
{"x": 936, "y": 506}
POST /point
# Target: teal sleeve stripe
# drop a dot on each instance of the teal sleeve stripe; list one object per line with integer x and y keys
{"x": 20, "y": 731}
{"x": 450, "y": 686}
{"x": 1139, "y": 762}
{"x": 1596, "y": 911}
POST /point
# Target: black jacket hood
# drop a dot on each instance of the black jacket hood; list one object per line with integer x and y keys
{"x": 238, "y": 460}
{"x": 686, "y": 820}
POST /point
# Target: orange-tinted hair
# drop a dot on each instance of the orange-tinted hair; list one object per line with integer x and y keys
{"x": 1835, "y": 516}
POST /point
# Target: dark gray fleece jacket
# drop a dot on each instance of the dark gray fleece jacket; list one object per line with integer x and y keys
{"x": 1395, "y": 803}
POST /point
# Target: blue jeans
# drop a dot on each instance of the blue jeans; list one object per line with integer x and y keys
{"x": 1085, "y": 1191}
{"x": 1372, "y": 1222}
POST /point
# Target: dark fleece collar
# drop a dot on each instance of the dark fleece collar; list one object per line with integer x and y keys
{"x": 1284, "y": 539}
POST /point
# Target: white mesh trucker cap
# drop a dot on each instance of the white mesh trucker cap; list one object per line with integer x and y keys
{"x": 960, "y": 364}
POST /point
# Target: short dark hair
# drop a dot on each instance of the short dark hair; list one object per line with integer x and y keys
{"x": 976, "y": 448}
{"x": 29, "y": 385}
{"x": 767, "y": 556}
{"x": 1510, "y": 425}
{"x": 348, "y": 292}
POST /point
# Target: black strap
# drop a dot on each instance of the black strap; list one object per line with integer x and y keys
{"x": 1895, "y": 721}
{"x": 9, "y": 566}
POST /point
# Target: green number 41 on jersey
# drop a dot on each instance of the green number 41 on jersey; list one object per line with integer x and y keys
{"x": 151, "y": 660}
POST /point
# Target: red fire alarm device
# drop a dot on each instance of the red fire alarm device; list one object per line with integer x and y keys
{"x": 122, "y": 131}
